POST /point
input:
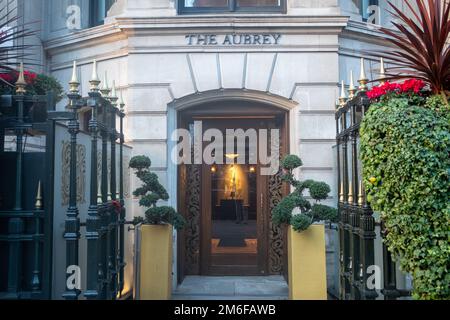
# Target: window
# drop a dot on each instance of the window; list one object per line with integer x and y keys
{"x": 214, "y": 6}
{"x": 99, "y": 10}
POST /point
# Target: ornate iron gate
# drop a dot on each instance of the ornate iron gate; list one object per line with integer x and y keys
{"x": 26, "y": 202}
{"x": 26, "y": 210}
{"x": 357, "y": 225}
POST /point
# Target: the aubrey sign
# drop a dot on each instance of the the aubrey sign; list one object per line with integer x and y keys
{"x": 233, "y": 39}
{"x": 239, "y": 146}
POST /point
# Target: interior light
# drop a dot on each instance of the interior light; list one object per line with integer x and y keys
{"x": 231, "y": 155}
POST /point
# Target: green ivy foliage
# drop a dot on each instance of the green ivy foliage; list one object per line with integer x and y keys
{"x": 282, "y": 214}
{"x": 41, "y": 85}
{"x": 405, "y": 151}
{"x": 44, "y": 84}
{"x": 150, "y": 193}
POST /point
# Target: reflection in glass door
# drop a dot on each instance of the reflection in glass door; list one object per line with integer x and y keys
{"x": 234, "y": 215}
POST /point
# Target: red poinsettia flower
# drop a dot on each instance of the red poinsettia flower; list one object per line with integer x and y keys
{"x": 383, "y": 89}
{"x": 411, "y": 85}
{"x": 12, "y": 77}
{"x": 116, "y": 204}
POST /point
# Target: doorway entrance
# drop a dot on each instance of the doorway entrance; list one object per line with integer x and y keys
{"x": 228, "y": 202}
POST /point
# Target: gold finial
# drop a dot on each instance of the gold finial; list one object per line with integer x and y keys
{"x": 38, "y": 205}
{"x": 74, "y": 83}
{"x": 350, "y": 193}
{"x": 341, "y": 193}
{"x": 109, "y": 198}
{"x": 99, "y": 194}
{"x": 113, "y": 97}
{"x": 104, "y": 88}
{"x": 361, "y": 195}
{"x": 95, "y": 81}
{"x": 352, "y": 89}
{"x": 363, "y": 78}
{"x": 343, "y": 97}
{"x": 21, "y": 83}
{"x": 121, "y": 102}
{"x": 382, "y": 72}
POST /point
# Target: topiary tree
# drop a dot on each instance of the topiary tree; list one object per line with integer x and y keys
{"x": 150, "y": 193}
{"x": 309, "y": 213}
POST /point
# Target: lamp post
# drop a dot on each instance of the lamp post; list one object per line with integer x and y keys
{"x": 72, "y": 224}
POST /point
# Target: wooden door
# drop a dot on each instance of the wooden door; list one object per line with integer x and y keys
{"x": 198, "y": 240}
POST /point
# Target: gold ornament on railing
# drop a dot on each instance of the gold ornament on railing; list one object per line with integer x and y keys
{"x": 361, "y": 195}
{"x": 113, "y": 97}
{"x": 95, "y": 81}
{"x": 341, "y": 193}
{"x": 352, "y": 88}
{"x": 104, "y": 89}
{"x": 362, "y": 77}
{"x": 350, "y": 194}
{"x": 343, "y": 96}
{"x": 121, "y": 103}
{"x": 21, "y": 84}
{"x": 74, "y": 83}
{"x": 99, "y": 194}
{"x": 39, "y": 205}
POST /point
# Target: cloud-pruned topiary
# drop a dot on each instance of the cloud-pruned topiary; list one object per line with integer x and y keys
{"x": 282, "y": 214}
{"x": 405, "y": 148}
{"x": 150, "y": 193}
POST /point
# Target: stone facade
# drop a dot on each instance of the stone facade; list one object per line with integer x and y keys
{"x": 144, "y": 48}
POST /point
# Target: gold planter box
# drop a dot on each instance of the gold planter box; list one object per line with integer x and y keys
{"x": 307, "y": 264}
{"x": 156, "y": 262}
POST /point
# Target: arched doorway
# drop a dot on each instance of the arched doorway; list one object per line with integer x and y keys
{"x": 228, "y": 205}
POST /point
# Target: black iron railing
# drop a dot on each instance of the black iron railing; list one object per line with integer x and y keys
{"x": 26, "y": 226}
{"x": 357, "y": 225}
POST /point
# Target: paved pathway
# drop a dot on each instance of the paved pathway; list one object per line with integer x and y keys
{"x": 232, "y": 288}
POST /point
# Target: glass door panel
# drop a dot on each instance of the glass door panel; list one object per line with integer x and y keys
{"x": 234, "y": 236}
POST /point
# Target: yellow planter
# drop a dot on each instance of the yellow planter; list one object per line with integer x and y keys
{"x": 307, "y": 264}
{"x": 155, "y": 266}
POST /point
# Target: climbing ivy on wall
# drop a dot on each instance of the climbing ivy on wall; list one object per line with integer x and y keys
{"x": 405, "y": 151}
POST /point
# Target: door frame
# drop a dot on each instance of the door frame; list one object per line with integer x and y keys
{"x": 235, "y": 105}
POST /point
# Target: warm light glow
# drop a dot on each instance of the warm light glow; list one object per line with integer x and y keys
{"x": 252, "y": 169}
{"x": 213, "y": 169}
{"x": 231, "y": 155}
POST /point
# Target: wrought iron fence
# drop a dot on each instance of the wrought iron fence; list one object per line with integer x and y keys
{"x": 26, "y": 218}
{"x": 358, "y": 226}
{"x": 25, "y": 213}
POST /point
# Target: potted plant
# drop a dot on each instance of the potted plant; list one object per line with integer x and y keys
{"x": 37, "y": 84}
{"x": 156, "y": 232}
{"x": 405, "y": 146}
{"x": 306, "y": 239}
